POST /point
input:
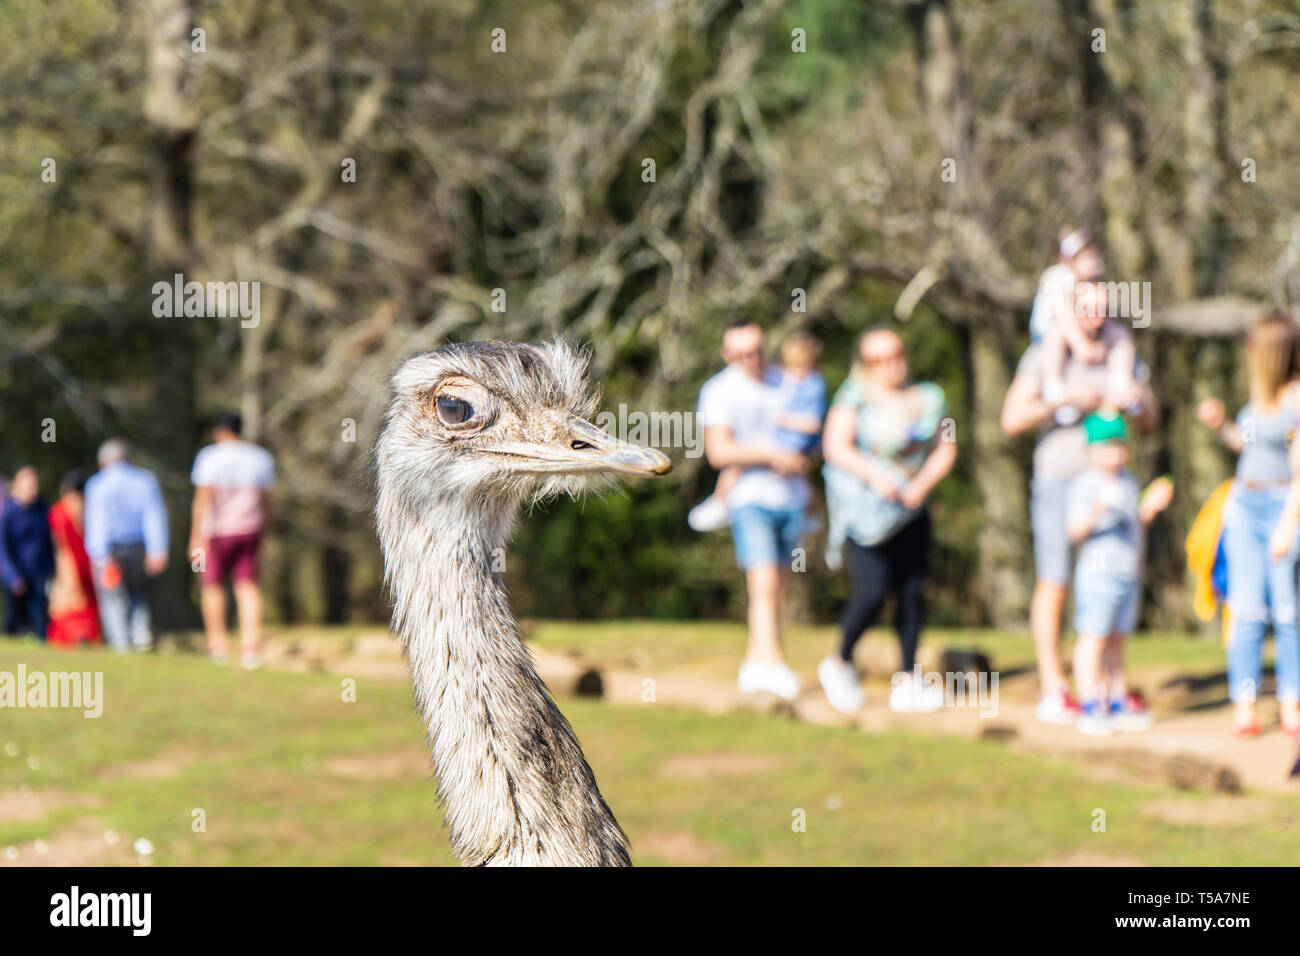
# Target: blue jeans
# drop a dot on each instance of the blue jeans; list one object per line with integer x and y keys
{"x": 1260, "y": 590}
{"x": 765, "y": 535}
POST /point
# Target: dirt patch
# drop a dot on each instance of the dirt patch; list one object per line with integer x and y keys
{"x": 1117, "y": 772}
{"x": 28, "y": 805}
{"x": 675, "y": 846}
{"x": 86, "y": 844}
{"x": 707, "y": 766}
{"x": 390, "y": 766}
{"x": 1090, "y": 858}
{"x": 1211, "y": 812}
{"x": 169, "y": 763}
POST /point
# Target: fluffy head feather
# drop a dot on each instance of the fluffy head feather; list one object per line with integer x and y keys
{"x": 494, "y": 423}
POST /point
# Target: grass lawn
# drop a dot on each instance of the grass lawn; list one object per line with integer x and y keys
{"x": 286, "y": 772}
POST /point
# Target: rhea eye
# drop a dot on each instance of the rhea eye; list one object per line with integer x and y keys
{"x": 454, "y": 411}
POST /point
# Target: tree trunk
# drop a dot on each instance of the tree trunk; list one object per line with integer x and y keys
{"x": 1208, "y": 363}
{"x": 1005, "y": 557}
{"x": 172, "y": 125}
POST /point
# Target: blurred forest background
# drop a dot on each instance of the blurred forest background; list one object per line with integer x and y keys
{"x": 779, "y": 167}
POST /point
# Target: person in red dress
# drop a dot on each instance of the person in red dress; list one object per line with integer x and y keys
{"x": 74, "y": 615}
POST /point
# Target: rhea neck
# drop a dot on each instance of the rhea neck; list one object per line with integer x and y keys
{"x": 512, "y": 778}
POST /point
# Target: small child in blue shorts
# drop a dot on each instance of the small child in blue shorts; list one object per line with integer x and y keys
{"x": 802, "y": 392}
{"x": 1106, "y": 517}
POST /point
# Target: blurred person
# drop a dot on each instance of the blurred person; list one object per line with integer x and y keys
{"x": 232, "y": 480}
{"x": 1065, "y": 290}
{"x": 1260, "y": 521}
{"x": 1060, "y": 456}
{"x": 74, "y": 614}
{"x": 126, "y": 538}
{"x": 1106, "y": 517}
{"x": 885, "y": 453}
{"x": 739, "y": 410}
{"x": 803, "y": 394}
{"x": 28, "y": 554}
{"x": 10, "y": 622}
{"x": 799, "y": 423}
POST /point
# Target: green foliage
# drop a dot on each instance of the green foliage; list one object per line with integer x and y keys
{"x": 463, "y": 172}
{"x": 844, "y": 38}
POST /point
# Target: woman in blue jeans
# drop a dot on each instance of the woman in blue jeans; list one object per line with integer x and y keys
{"x": 1260, "y": 522}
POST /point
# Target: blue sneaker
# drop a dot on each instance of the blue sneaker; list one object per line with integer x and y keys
{"x": 1094, "y": 719}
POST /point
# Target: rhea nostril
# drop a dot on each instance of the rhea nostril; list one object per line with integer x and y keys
{"x": 579, "y": 445}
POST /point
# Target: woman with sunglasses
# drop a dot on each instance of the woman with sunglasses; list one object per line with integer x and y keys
{"x": 887, "y": 445}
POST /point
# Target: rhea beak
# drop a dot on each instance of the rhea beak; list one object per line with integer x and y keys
{"x": 577, "y": 446}
{"x": 590, "y": 444}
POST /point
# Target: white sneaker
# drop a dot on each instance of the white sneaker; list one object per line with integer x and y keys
{"x": 1056, "y": 707}
{"x": 907, "y": 695}
{"x": 1094, "y": 721}
{"x": 709, "y": 515}
{"x": 250, "y": 662}
{"x": 932, "y": 698}
{"x": 758, "y": 676}
{"x": 840, "y": 683}
{"x": 1130, "y": 713}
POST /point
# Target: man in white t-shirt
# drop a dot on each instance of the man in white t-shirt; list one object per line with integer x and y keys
{"x": 232, "y": 479}
{"x": 738, "y": 410}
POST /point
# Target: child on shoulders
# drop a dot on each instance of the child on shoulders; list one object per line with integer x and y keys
{"x": 1067, "y": 291}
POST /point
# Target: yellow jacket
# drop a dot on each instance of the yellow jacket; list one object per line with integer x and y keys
{"x": 1202, "y": 546}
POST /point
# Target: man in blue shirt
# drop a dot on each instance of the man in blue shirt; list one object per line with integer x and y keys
{"x": 126, "y": 538}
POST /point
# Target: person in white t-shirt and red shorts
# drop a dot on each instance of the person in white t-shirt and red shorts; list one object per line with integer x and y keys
{"x": 232, "y": 479}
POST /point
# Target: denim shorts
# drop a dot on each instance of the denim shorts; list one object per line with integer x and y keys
{"x": 765, "y": 535}
{"x": 1105, "y": 605}
{"x": 1048, "y": 501}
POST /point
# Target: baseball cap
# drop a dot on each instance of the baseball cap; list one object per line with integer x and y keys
{"x": 1105, "y": 426}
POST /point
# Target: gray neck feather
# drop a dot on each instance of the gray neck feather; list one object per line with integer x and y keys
{"x": 514, "y": 785}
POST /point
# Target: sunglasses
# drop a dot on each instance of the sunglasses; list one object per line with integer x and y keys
{"x": 890, "y": 358}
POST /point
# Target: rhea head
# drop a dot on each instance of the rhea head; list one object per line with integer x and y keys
{"x": 491, "y": 424}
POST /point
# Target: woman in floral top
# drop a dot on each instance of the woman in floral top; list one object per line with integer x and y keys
{"x": 888, "y": 443}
